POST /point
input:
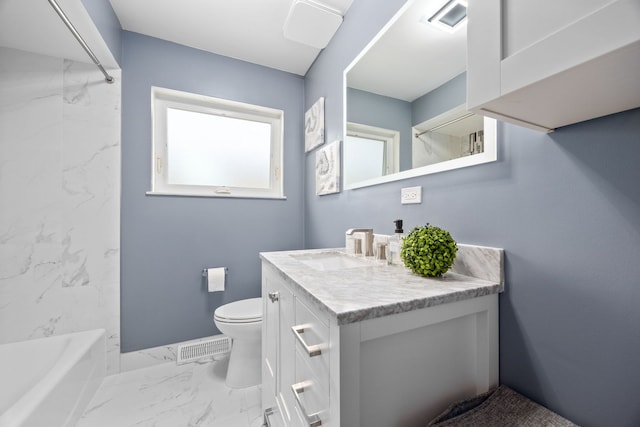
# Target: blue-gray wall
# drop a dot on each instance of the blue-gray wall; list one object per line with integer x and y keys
{"x": 107, "y": 23}
{"x": 167, "y": 241}
{"x": 370, "y": 109}
{"x": 566, "y": 208}
{"x": 441, "y": 99}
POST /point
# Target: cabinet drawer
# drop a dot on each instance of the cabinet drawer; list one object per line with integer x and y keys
{"x": 310, "y": 392}
{"x": 312, "y": 341}
{"x": 305, "y": 314}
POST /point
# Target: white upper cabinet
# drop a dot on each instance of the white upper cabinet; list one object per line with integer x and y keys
{"x": 545, "y": 64}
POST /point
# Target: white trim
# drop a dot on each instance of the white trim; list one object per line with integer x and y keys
{"x": 490, "y": 154}
{"x": 162, "y": 99}
{"x": 391, "y": 139}
{"x": 222, "y": 196}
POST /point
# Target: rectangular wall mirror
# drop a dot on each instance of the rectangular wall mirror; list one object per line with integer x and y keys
{"x": 405, "y": 101}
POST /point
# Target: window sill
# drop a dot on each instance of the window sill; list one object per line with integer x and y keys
{"x": 215, "y": 196}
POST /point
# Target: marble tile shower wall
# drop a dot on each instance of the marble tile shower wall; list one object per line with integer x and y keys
{"x": 59, "y": 199}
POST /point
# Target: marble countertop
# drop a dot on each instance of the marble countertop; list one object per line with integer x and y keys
{"x": 360, "y": 293}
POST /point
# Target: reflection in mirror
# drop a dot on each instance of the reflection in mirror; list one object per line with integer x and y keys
{"x": 410, "y": 82}
{"x": 370, "y": 152}
{"x": 456, "y": 133}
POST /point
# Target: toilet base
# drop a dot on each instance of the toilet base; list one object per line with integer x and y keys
{"x": 244, "y": 364}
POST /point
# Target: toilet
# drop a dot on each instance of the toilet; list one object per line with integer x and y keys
{"x": 242, "y": 322}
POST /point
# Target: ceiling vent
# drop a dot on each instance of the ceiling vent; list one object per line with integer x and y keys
{"x": 449, "y": 17}
{"x": 313, "y": 23}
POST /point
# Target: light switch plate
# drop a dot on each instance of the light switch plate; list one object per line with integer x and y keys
{"x": 411, "y": 195}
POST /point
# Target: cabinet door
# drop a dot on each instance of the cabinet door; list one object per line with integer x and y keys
{"x": 277, "y": 346}
{"x": 270, "y": 340}
{"x": 547, "y": 64}
{"x": 286, "y": 354}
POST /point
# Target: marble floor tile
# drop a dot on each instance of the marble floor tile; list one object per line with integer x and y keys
{"x": 168, "y": 395}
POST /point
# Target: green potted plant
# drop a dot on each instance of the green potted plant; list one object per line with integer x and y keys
{"x": 428, "y": 251}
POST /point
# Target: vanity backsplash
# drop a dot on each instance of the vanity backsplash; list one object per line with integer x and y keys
{"x": 482, "y": 262}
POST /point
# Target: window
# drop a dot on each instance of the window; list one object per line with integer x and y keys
{"x": 205, "y": 146}
{"x": 369, "y": 152}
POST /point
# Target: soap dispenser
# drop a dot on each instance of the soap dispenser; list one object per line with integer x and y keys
{"x": 395, "y": 244}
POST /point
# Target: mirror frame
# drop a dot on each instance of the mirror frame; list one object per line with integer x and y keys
{"x": 490, "y": 153}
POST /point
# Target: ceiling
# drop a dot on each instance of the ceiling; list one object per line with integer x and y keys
{"x": 33, "y": 26}
{"x": 409, "y": 60}
{"x": 249, "y": 30}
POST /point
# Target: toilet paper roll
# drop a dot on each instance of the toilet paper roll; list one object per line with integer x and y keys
{"x": 215, "y": 279}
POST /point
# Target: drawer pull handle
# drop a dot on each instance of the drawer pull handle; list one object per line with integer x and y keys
{"x": 267, "y": 413}
{"x": 274, "y": 296}
{"x": 313, "y": 419}
{"x": 312, "y": 350}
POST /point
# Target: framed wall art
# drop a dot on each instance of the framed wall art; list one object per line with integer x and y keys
{"x": 314, "y": 126}
{"x": 328, "y": 169}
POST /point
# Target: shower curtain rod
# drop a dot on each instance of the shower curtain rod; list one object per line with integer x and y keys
{"x": 450, "y": 122}
{"x": 78, "y": 37}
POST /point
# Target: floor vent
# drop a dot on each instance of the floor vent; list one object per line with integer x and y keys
{"x": 199, "y": 350}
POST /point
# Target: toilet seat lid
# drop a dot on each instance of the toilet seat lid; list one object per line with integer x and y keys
{"x": 246, "y": 310}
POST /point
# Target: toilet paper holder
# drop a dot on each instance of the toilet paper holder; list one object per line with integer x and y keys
{"x": 205, "y": 273}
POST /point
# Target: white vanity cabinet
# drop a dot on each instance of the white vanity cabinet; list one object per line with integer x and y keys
{"x": 277, "y": 372}
{"x": 545, "y": 64}
{"x": 398, "y": 369}
{"x": 295, "y": 349}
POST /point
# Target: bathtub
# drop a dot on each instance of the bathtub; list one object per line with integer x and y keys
{"x": 49, "y": 381}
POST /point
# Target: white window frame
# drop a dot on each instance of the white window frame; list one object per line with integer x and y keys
{"x": 391, "y": 139}
{"x": 163, "y": 99}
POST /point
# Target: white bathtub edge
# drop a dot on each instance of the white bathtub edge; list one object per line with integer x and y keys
{"x": 22, "y": 412}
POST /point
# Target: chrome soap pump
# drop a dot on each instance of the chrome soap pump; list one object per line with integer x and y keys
{"x": 395, "y": 244}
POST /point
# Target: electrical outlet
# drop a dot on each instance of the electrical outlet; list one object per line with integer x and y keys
{"x": 411, "y": 195}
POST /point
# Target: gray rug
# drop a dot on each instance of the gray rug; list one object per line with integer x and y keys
{"x": 501, "y": 407}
